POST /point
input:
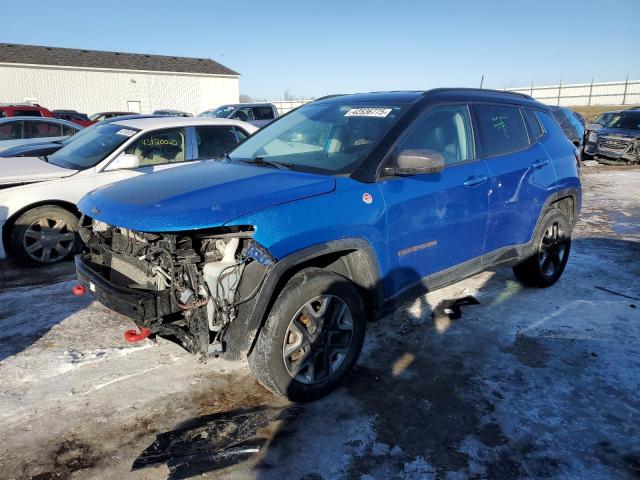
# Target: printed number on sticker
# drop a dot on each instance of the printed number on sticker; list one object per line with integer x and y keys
{"x": 368, "y": 112}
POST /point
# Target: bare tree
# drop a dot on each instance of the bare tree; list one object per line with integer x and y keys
{"x": 244, "y": 98}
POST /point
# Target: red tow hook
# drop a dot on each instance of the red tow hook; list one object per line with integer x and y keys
{"x": 132, "y": 336}
{"x": 78, "y": 290}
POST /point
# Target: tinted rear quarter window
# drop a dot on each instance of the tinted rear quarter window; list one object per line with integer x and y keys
{"x": 533, "y": 123}
{"x": 502, "y": 129}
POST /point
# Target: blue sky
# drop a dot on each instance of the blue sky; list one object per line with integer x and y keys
{"x": 322, "y": 47}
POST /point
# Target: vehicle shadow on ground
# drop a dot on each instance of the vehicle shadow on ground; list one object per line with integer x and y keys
{"x": 417, "y": 385}
{"x": 47, "y": 293}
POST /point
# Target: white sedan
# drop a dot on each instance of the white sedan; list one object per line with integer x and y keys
{"x": 38, "y": 216}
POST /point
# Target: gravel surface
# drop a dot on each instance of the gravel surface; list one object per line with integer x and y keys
{"x": 526, "y": 384}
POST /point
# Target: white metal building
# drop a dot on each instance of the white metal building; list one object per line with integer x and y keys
{"x": 92, "y": 81}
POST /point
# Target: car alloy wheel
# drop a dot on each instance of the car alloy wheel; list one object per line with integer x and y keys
{"x": 552, "y": 250}
{"x": 48, "y": 239}
{"x": 318, "y": 339}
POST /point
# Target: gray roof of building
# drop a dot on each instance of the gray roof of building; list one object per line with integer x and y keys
{"x": 73, "y": 57}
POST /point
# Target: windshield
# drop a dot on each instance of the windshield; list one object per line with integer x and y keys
{"x": 320, "y": 137}
{"x": 628, "y": 120}
{"x": 92, "y": 146}
{"x": 220, "y": 112}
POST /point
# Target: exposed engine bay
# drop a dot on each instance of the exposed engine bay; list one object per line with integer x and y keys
{"x": 186, "y": 285}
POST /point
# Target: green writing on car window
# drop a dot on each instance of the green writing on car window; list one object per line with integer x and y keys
{"x": 159, "y": 142}
{"x": 500, "y": 123}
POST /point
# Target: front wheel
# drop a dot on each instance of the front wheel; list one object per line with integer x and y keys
{"x": 312, "y": 337}
{"x": 44, "y": 235}
{"x": 552, "y": 245}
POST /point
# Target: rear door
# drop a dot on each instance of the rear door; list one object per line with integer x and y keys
{"x": 522, "y": 175}
{"x": 212, "y": 141}
{"x": 436, "y": 221}
{"x": 263, "y": 115}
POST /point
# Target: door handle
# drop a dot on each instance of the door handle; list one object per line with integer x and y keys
{"x": 475, "y": 180}
{"x": 540, "y": 163}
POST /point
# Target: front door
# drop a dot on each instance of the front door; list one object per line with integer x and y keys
{"x": 436, "y": 221}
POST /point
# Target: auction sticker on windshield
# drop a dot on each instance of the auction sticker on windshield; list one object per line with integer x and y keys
{"x": 126, "y": 132}
{"x": 368, "y": 112}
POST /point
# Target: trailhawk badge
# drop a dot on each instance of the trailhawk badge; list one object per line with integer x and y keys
{"x": 95, "y": 210}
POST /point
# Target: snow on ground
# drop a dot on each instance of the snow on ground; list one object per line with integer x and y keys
{"x": 527, "y": 384}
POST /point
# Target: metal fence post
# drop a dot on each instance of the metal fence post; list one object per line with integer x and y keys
{"x": 624, "y": 95}
{"x": 590, "y": 91}
{"x": 559, "y": 92}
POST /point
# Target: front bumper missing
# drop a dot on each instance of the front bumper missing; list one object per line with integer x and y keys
{"x": 143, "y": 307}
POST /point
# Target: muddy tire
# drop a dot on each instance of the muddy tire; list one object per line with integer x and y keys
{"x": 311, "y": 338}
{"x": 44, "y": 235}
{"x": 552, "y": 245}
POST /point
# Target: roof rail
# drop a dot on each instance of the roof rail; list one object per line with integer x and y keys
{"x": 468, "y": 89}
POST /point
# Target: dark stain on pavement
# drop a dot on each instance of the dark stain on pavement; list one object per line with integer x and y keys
{"x": 529, "y": 351}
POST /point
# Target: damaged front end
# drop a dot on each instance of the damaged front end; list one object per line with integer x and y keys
{"x": 187, "y": 285}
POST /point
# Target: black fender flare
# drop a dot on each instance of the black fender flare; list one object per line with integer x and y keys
{"x": 242, "y": 333}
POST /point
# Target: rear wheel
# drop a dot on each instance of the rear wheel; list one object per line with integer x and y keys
{"x": 44, "y": 235}
{"x": 553, "y": 243}
{"x": 312, "y": 337}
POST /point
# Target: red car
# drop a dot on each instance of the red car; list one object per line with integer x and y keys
{"x": 23, "y": 110}
{"x": 73, "y": 116}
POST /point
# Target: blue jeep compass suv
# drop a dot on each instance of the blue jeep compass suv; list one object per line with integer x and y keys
{"x": 281, "y": 251}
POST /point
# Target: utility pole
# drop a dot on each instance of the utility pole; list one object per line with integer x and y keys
{"x": 481, "y": 81}
{"x": 624, "y": 95}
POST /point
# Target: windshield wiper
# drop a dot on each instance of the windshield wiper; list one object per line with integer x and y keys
{"x": 262, "y": 161}
{"x": 44, "y": 158}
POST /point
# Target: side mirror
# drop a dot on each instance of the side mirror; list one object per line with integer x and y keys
{"x": 593, "y": 127}
{"x": 415, "y": 162}
{"x": 124, "y": 161}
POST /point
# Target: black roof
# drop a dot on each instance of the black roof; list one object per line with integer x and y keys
{"x": 444, "y": 93}
{"x": 73, "y": 57}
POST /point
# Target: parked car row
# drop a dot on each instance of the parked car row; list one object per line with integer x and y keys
{"x": 614, "y": 137}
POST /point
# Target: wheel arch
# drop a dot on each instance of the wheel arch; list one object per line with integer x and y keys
{"x": 6, "y": 228}
{"x": 353, "y": 259}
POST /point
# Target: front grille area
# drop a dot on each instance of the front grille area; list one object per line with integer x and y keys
{"x": 616, "y": 144}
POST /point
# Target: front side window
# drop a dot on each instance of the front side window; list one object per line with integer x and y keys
{"x": 330, "y": 137}
{"x": 446, "y": 130}
{"x": 502, "y": 129}
{"x": 93, "y": 146}
{"x": 220, "y": 112}
{"x": 43, "y": 130}
{"x": 159, "y": 147}
{"x": 263, "y": 113}
{"x": 215, "y": 141}
{"x": 68, "y": 131}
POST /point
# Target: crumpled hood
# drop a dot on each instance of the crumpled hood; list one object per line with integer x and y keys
{"x": 619, "y": 132}
{"x": 202, "y": 195}
{"x": 14, "y": 170}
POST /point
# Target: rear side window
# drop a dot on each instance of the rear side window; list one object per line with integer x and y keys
{"x": 26, "y": 113}
{"x": 214, "y": 141}
{"x": 43, "y": 130}
{"x": 533, "y": 123}
{"x": 243, "y": 114}
{"x": 502, "y": 129}
{"x": 263, "y": 113}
